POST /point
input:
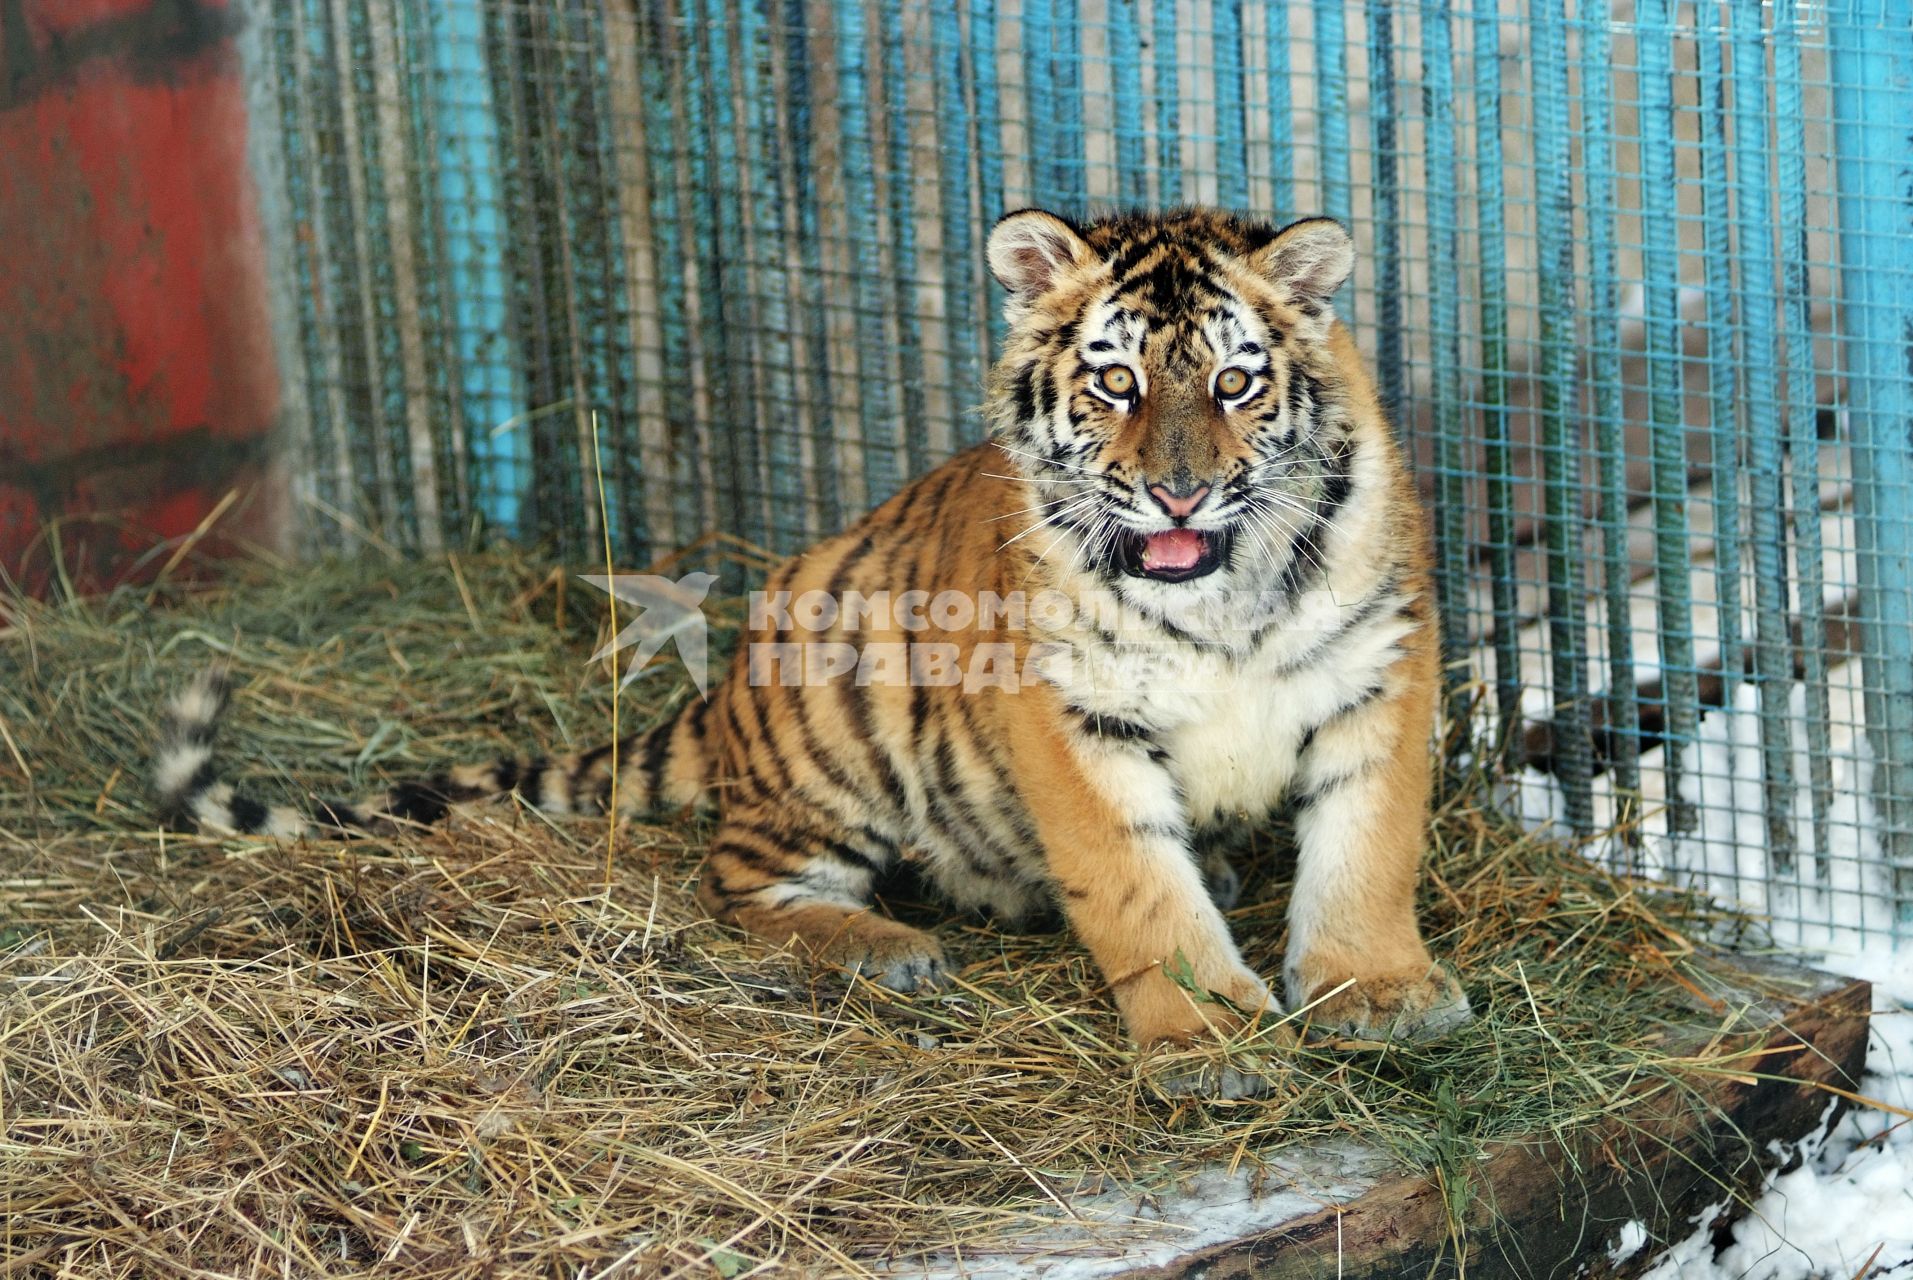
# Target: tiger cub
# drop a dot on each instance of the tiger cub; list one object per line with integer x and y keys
{"x": 1185, "y": 579}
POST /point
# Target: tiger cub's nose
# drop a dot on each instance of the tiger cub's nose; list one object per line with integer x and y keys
{"x": 1178, "y": 504}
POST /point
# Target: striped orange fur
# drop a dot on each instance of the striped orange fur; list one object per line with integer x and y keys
{"x": 1187, "y": 452}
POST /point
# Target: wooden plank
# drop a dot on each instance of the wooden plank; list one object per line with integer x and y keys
{"x": 1549, "y": 1207}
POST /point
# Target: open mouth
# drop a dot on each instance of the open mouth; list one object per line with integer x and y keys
{"x": 1175, "y": 555}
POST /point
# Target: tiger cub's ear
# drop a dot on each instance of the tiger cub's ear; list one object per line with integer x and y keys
{"x": 1311, "y": 259}
{"x": 1031, "y": 250}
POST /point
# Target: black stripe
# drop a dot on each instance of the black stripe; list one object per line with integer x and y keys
{"x": 1172, "y": 285}
{"x": 807, "y": 842}
{"x": 1315, "y": 792}
{"x": 248, "y": 815}
{"x": 339, "y": 815}
{"x": 855, "y": 699}
{"x": 1372, "y": 606}
{"x": 1130, "y": 257}
{"x": 1360, "y": 700}
{"x": 764, "y": 752}
{"x": 763, "y": 860}
{"x": 1023, "y": 392}
{"x": 1112, "y": 727}
{"x": 926, "y": 567}
{"x": 1306, "y": 558}
{"x": 581, "y": 767}
{"x": 840, "y": 576}
{"x": 959, "y": 820}
{"x": 1338, "y": 484}
{"x": 1006, "y": 803}
{"x": 713, "y": 879}
{"x": 657, "y": 744}
{"x": 419, "y": 802}
{"x": 1068, "y": 332}
{"x": 874, "y": 838}
{"x": 919, "y": 715}
{"x": 532, "y": 784}
{"x": 820, "y": 759}
{"x": 925, "y": 490}
{"x": 991, "y": 750}
{"x": 1177, "y": 634}
{"x": 588, "y": 760}
{"x": 1045, "y": 394}
{"x": 698, "y": 713}
{"x": 778, "y": 837}
{"x": 931, "y": 491}
{"x": 741, "y": 789}
{"x": 203, "y": 778}
{"x": 843, "y": 852}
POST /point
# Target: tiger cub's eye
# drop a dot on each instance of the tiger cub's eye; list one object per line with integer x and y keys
{"x": 1231, "y": 383}
{"x": 1117, "y": 380}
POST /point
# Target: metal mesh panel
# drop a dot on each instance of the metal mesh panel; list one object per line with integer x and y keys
{"x": 1636, "y": 281}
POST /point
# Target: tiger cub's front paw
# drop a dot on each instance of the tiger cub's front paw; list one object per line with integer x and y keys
{"x": 1424, "y": 1003}
{"x": 890, "y": 954}
{"x": 1226, "y": 1058}
{"x": 1179, "y": 1003}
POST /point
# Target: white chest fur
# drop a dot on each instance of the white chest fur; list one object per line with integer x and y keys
{"x": 1232, "y": 725}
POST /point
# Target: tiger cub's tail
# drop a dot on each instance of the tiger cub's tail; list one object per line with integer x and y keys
{"x": 665, "y": 765}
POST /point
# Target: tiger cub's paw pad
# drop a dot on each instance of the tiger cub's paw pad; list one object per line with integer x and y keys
{"x": 891, "y": 955}
{"x": 1420, "y": 1006}
{"x": 905, "y": 973}
{"x": 1216, "y": 1080}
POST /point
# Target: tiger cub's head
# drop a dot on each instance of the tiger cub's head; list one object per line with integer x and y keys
{"x": 1168, "y": 385}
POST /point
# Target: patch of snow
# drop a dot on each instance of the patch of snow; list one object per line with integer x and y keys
{"x": 1633, "y": 1235}
{"x": 1116, "y": 1230}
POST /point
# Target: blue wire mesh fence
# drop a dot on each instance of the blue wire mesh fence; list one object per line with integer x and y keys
{"x": 1636, "y": 279}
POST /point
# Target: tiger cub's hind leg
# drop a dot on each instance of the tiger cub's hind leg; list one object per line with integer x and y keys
{"x": 791, "y": 875}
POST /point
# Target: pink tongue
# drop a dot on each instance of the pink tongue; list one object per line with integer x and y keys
{"x": 1172, "y": 549}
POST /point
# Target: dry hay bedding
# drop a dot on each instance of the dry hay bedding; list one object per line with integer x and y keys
{"x": 462, "y": 1052}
